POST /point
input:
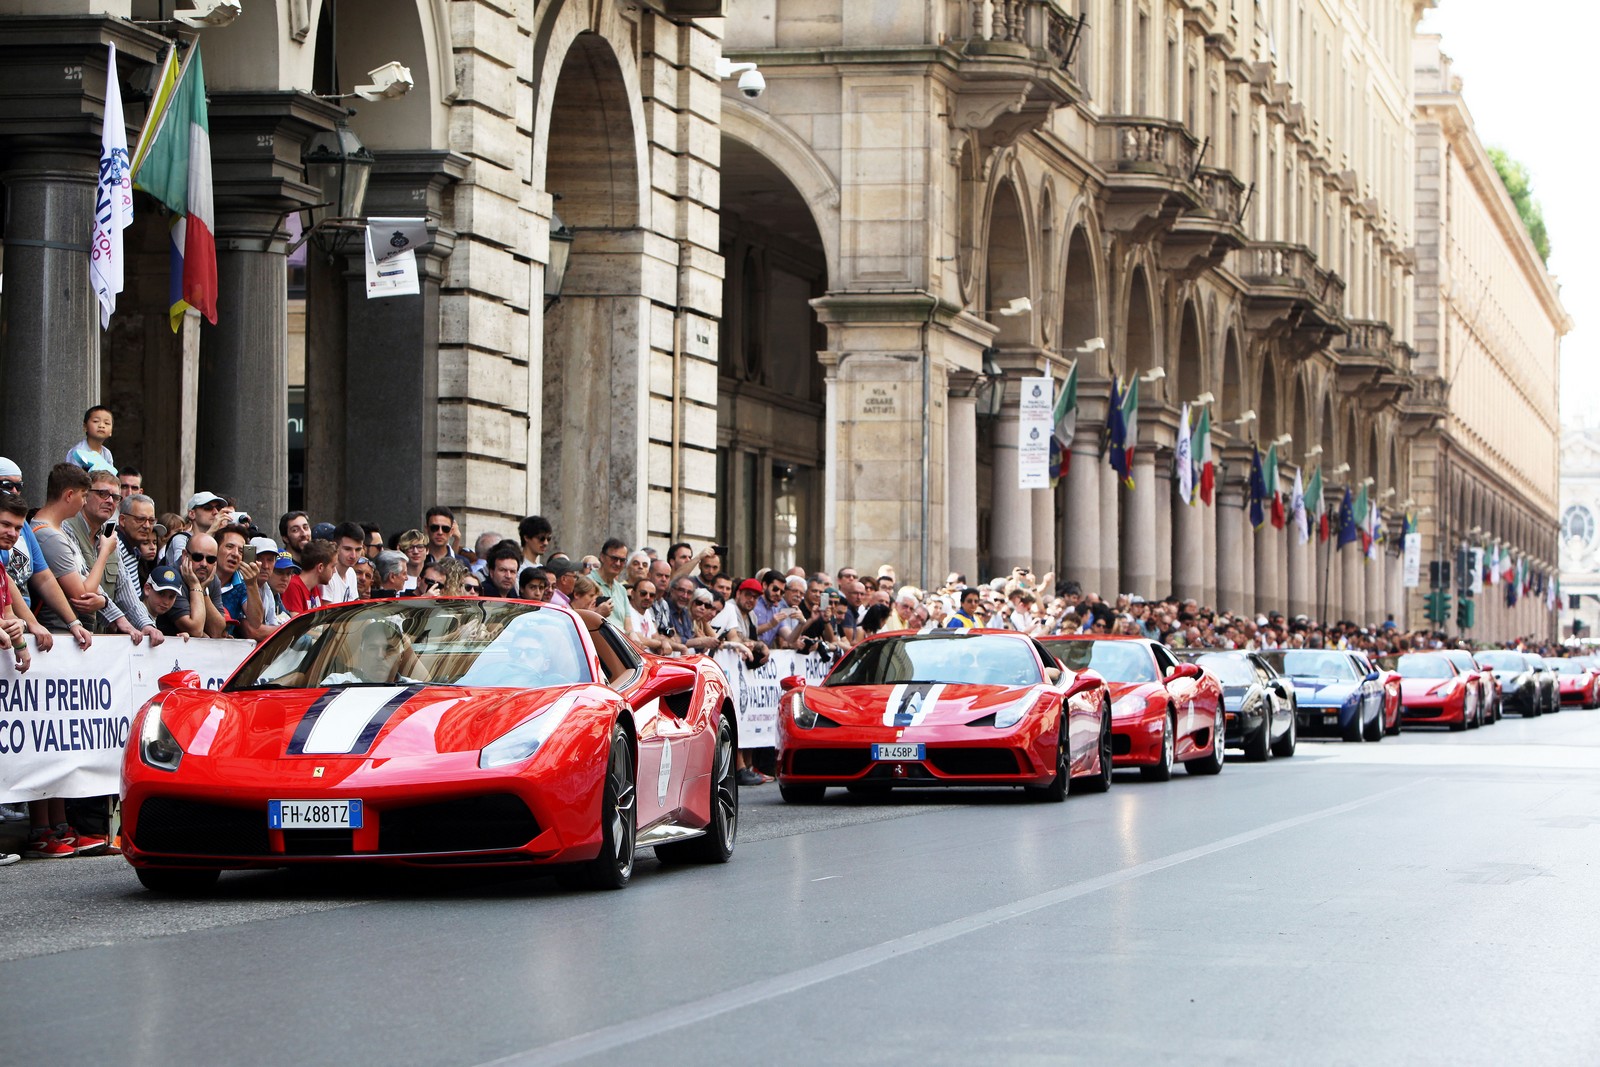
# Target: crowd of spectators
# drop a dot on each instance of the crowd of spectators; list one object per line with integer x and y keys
{"x": 96, "y": 557}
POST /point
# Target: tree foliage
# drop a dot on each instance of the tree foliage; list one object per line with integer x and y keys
{"x": 1519, "y": 183}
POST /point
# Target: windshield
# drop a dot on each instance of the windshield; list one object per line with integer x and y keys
{"x": 1423, "y": 666}
{"x": 981, "y": 660}
{"x": 1311, "y": 663}
{"x": 1115, "y": 661}
{"x": 1502, "y": 661}
{"x": 1569, "y": 666}
{"x": 1228, "y": 669}
{"x": 488, "y": 643}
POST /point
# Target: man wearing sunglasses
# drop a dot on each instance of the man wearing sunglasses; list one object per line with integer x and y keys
{"x": 441, "y": 528}
{"x": 196, "y": 612}
{"x": 536, "y": 534}
{"x": 613, "y": 558}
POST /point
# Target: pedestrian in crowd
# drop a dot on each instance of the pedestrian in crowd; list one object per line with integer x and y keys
{"x": 130, "y": 480}
{"x": 563, "y": 577}
{"x": 791, "y": 617}
{"x": 203, "y": 514}
{"x": 349, "y": 542}
{"x": 24, "y": 562}
{"x": 283, "y": 568}
{"x": 389, "y": 575}
{"x": 454, "y": 578}
{"x": 536, "y": 534}
{"x": 413, "y": 544}
{"x": 703, "y": 637}
{"x": 97, "y": 427}
{"x": 679, "y": 604}
{"x": 136, "y": 532}
{"x": 707, "y": 566}
{"x": 638, "y": 567}
{"x": 161, "y": 591}
{"x": 534, "y": 584}
{"x": 769, "y": 612}
{"x": 429, "y": 582}
{"x": 585, "y": 594}
{"x": 302, "y": 593}
{"x": 66, "y": 490}
{"x": 660, "y": 575}
{"x": 641, "y": 628}
{"x": 613, "y": 561}
{"x": 13, "y": 524}
{"x": 366, "y": 577}
{"x": 374, "y": 540}
{"x": 738, "y": 618}
{"x": 195, "y": 611}
{"x": 480, "y": 552}
{"x": 94, "y": 524}
{"x": 443, "y": 534}
{"x": 504, "y": 563}
{"x": 295, "y": 529}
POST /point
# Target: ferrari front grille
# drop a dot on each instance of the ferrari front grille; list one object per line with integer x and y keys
{"x": 825, "y": 762}
{"x": 1121, "y": 744}
{"x": 318, "y": 842}
{"x": 193, "y": 827}
{"x": 973, "y": 761}
{"x": 469, "y": 824}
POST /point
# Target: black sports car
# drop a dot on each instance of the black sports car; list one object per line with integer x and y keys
{"x": 1260, "y": 702}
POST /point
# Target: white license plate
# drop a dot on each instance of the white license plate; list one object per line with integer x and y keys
{"x": 1330, "y": 720}
{"x": 314, "y": 814}
{"x": 899, "y": 752}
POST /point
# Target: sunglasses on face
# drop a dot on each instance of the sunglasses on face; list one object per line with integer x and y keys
{"x": 618, "y": 560}
{"x": 201, "y": 557}
{"x": 10, "y": 487}
{"x": 646, "y": 597}
{"x": 472, "y": 587}
{"x": 105, "y": 494}
{"x": 438, "y": 529}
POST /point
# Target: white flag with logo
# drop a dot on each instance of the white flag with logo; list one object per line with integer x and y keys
{"x": 1183, "y": 459}
{"x": 113, "y": 198}
{"x": 1297, "y": 509}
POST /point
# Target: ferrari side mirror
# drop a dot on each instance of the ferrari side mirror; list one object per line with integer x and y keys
{"x": 792, "y": 682}
{"x": 179, "y": 680}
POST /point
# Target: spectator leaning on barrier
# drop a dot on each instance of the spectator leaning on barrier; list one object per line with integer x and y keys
{"x": 13, "y": 523}
{"x": 161, "y": 591}
{"x": 65, "y": 490}
{"x": 389, "y": 579}
{"x": 317, "y": 562}
{"x": 93, "y": 525}
{"x": 283, "y": 568}
{"x": 24, "y": 562}
{"x": 196, "y": 611}
{"x": 641, "y": 627}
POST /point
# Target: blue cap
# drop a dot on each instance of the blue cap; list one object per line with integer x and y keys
{"x": 285, "y": 562}
{"x": 322, "y": 531}
{"x": 166, "y": 579}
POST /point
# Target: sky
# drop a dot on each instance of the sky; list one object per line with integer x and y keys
{"x": 1525, "y": 71}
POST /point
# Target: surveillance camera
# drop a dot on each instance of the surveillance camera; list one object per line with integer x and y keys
{"x": 388, "y": 81}
{"x": 752, "y": 84}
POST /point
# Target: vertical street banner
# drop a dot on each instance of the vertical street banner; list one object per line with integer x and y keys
{"x": 1476, "y": 555}
{"x": 1413, "y": 558}
{"x": 1035, "y": 425}
{"x": 755, "y": 692}
{"x": 65, "y": 723}
{"x": 113, "y": 199}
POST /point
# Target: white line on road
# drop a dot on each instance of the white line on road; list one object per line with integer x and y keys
{"x": 609, "y": 1038}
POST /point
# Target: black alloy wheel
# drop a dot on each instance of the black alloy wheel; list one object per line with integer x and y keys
{"x": 1100, "y": 781}
{"x": 613, "y": 867}
{"x": 177, "y": 882}
{"x": 1059, "y": 786}
{"x": 1374, "y": 731}
{"x": 1357, "y": 728}
{"x": 1284, "y": 746}
{"x": 1258, "y": 746}
{"x": 1212, "y": 762}
{"x": 1162, "y": 771}
{"x": 716, "y": 846}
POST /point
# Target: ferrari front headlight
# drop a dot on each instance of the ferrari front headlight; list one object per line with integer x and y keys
{"x": 157, "y": 747}
{"x": 804, "y": 716}
{"x": 1010, "y": 715}
{"x": 521, "y": 742}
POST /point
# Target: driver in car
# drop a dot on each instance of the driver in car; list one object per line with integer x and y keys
{"x": 381, "y": 655}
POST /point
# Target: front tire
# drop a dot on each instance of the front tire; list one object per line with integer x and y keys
{"x": 1101, "y": 782}
{"x": 1212, "y": 762}
{"x": 716, "y": 846}
{"x": 613, "y": 867}
{"x": 177, "y": 883}
{"x": 1374, "y": 731}
{"x": 1357, "y": 728}
{"x": 1258, "y": 749}
{"x": 1284, "y": 746}
{"x": 1162, "y": 771}
{"x": 1057, "y": 790}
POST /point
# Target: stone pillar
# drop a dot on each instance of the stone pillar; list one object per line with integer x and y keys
{"x": 1139, "y": 529}
{"x": 1377, "y": 599}
{"x": 50, "y": 331}
{"x": 393, "y": 358}
{"x": 1189, "y": 550}
{"x": 961, "y": 472}
{"x": 1044, "y": 531}
{"x": 1354, "y": 603}
{"x": 1208, "y": 528}
{"x": 1011, "y": 531}
{"x": 1110, "y": 531}
{"x": 1298, "y": 597}
{"x": 1230, "y": 526}
{"x": 1080, "y": 550}
{"x": 1163, "y": 505}
{"x": 1247, "y": 547}
{"x": 1267, "y": 596}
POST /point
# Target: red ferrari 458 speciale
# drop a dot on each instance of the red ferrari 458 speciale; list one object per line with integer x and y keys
{"x": 434, "y": 732}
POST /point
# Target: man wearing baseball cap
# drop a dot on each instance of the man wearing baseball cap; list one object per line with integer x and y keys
{"x": 563, "y": 573}
{"x": 161, "y": 590}
{"x": 202, "y": 511}
{"x": 265, "y": 551}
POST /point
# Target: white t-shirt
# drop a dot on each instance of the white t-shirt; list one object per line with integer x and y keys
{"x": 340, "y": 588}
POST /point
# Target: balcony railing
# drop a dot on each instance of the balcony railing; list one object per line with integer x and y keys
{"x": 1278, "y": 264}
{"x": 1147, "y": 146}
{"x": 1221, "y": 194}
{"x": 1369, "y": 337}
{"x": 1043, "y": 28}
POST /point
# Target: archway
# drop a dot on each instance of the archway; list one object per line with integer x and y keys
{"x": 1139, "y": 338}
{"x": 771, "y": 414}
{"x": 593, "y": 438}
{"x": 1005, "y": 512}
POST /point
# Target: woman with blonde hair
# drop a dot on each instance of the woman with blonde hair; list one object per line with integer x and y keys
{"x": 453, "y": 575}
{"x": 585, "y": 591}
{"x": 414, "y": 545}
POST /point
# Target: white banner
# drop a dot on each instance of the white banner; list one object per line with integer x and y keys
{"x": 1034, "y": 426}
{"x": 1476, "y": 578}
{"x": 755, "y": 693}
{"x": 64, "y": 724}
{"x": 1413, "y": 560}
{"x": 113, "y": 197}
{"x": 394, "y": 275}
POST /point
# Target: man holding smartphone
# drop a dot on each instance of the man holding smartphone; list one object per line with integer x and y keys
{"x": 95, "y": 525}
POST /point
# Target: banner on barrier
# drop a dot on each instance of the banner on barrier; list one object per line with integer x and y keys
{"x": 64, "y": 724}
{"x": 755, "y": 692}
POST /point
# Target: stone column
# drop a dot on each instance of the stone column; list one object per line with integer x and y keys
{"x": 1247, "y": 546}
{"x": 1230, "y": 526}
{"x": 393, "y": 357}
{"x": 961, "y": 451}
{"x": 1268, "y": 598}
{"x": 1377, "y": 587}
{"x": 1353, "y": 571}
{"x": 1298, "y": 596}
{"x": 50, "y": 331}
{"x": 1044, "y": 531}
{"x": 1080, "y": 550}
{"x": 1139, "y": 529}
{"x": 1163, "y": 505}
{"x": 1011, "y": 530}
{"x": 1208, "y": 528}
{"x": 1110, "y": 531}
{"x": 1189, "y": 550}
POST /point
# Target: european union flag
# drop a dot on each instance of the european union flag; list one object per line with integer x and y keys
{"x": 1258, "y": 489}
{"x": 1348, "y": 532}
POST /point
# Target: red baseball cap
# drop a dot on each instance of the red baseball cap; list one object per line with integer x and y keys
{"x": 749, "y": 585}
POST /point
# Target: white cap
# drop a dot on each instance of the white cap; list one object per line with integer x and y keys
{"x": 258, "y": 545}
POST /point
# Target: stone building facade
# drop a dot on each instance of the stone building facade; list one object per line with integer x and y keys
{"x": 597, "y": 409}
{"x": 1580, "y": 528}
{"x": 1218, "y": 189}
{"x": 1489, "y": 328}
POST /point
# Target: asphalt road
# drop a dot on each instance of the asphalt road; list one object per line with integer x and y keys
{"x": 1426, "y": 899}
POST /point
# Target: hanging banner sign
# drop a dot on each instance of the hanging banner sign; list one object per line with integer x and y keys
{"x": 1413, "y": 559}
{"x": 64, "y": 724}
{"x": 755, "y": 692}
{"x": 1476, "y": 555}
{"x": 1033, "y": 433}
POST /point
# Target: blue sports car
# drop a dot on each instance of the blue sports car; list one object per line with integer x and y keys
{"x": 1337, "y": 692}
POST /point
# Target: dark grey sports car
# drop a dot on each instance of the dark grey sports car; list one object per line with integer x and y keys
{"x": 1260, "y": 702}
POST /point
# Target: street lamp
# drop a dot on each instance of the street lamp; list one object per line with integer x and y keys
{"x": 339, "y": 165}
{"x": 555, "y": 271}
{"x": 991, "y": 392}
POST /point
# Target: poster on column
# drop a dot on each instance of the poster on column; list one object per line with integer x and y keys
{"x": 64, "y": 723}
{"x": 1413, "y": 560}
{"x": 1033, "y": 433}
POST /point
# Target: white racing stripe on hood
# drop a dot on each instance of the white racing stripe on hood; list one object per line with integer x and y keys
{"x": 910, "y": 702}
{"x": 341, "y": 722}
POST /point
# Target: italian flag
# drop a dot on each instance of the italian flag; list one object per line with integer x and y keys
{"x": 1200, "y": 448}
{"x": 1273, "y": 494}
{"x": 1318, "y": 506}
{"x": 175, "y": 168}
{"x": 1065, "y": 420}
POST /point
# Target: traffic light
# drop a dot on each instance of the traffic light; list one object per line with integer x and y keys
{"x": 1438, "y": 602}
{"x": 1466, "y": 612}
